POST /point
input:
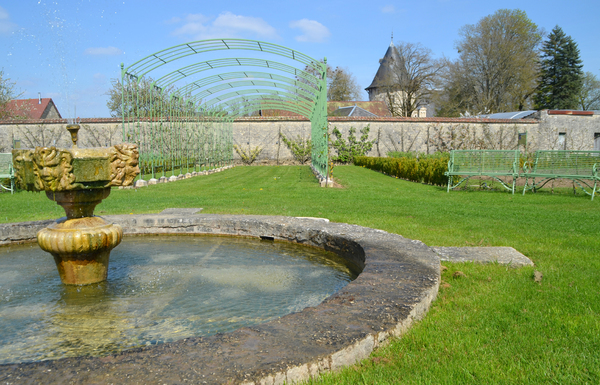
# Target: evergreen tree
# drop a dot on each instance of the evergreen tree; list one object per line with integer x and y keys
{"x": 561, "y": 75}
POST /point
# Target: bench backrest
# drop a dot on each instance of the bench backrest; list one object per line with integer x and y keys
{"x": 6, "y": 168}
{"x": 565, "y": 162}
{"x": 484, "y": 161}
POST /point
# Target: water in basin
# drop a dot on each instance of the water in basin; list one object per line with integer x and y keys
{"x": 160, "y": 289}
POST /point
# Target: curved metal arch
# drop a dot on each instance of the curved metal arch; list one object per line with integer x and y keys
{"x": 192, "y": 69}
{"x": 266, "y": 104}
{"x": 248, "y": 83}
{"x": 160, "y": 58}
{"x": 249, "y": 103}
{"x": 315, "y": 110}
{"x": 231, "y": 76}
{"x": 257, "y": 91}
{"x": 234, "y": 105}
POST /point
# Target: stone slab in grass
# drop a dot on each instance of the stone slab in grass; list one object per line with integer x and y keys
{"x": 501, "y": 255}
{"x": 181, "y": 211}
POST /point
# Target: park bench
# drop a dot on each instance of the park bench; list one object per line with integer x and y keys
{"x": 7, "y": 172}
{"x": 579, "y": 166}
{"x": 491, "y": 163}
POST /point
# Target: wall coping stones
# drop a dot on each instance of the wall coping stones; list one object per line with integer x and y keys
{"x": 302, "y": 119}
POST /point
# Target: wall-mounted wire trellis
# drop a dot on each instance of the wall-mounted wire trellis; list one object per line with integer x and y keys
{"x": 181, "y": 115}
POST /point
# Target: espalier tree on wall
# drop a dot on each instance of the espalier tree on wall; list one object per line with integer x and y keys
{"x": 561, "y": 75}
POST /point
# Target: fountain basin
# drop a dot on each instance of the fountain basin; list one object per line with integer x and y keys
{"x": 398, "y": 282}
{"x": 81, "y": 248}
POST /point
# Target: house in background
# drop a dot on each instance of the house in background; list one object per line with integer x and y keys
{"x": 385, "y": 86}
{"x": 41, "y": 108}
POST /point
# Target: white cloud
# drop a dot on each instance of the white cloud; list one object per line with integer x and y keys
{"x": 6, "y": 26}
{"x": 226, "y": 25}
{"x": 173, "y": 20}
{"x": 388, "y": 9}
{"x": 312, "y": 31}
{"x": 103, "y": 51}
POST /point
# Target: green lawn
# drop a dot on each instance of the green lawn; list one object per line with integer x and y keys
{"x": 496, "y": 325}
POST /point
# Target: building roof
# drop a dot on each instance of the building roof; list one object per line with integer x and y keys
{"x": 372, "y": 108}
{"x": 388, "y": 68}
{"x": 352, "y": 111}
{"x": 31, "y": 108}
{"x": 376, "y": 108}
{"x": 510, "y": 115}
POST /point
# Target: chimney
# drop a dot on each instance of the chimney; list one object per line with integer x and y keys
{"x": 39, "y": 98}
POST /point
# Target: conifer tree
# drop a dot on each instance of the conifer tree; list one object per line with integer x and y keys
{"x": 561, "y": 75}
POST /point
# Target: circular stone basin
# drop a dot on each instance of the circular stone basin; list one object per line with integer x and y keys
{"x": 160, "y": 289}
{"x": 398, "y": 280}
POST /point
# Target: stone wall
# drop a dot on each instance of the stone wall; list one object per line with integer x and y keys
{"x": 391, "y": 134}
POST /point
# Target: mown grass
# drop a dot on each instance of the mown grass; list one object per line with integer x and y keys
{"x": 493, "y": 325}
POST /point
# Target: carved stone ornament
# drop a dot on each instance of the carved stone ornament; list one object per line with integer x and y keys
{"x": 23, "y": 166}
{"x": 53, "y": 169}
{"x": 124, "y": 159}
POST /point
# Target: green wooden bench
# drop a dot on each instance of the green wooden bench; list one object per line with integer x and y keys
{"x": 7, "y": 171}
{"x": 491, "y": 163}
{"x": 579, "y": 166}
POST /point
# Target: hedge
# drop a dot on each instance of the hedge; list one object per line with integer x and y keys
{"x": 426, "y": 169}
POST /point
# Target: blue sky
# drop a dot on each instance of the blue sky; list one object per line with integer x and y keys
{"x": 69, "y": 50}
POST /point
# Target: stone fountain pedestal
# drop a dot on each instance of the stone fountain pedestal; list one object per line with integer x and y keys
{"x": 78, "y": 180}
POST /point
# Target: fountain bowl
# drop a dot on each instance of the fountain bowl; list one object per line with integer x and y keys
{"x": 399, "y": 279}
{"x": 78, "y": 180}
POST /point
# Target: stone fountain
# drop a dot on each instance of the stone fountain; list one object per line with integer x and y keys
{"x": 78, "y": 180}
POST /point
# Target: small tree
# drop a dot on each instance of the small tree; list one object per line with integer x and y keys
{"x": 347, "y": 150}
{"x": 496, "y": 69}
{"x": 300, "y": 148}
{"x": 143, "y": 99}
{"x": 248, "y": 155}
{"x": 342, "y": 86}
{"x": 561, "y": 75}
{"x": 7, "y": 93}
{"x": 589, "y": 95}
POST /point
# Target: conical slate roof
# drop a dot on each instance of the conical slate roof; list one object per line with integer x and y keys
{"x": 388, "y": 69}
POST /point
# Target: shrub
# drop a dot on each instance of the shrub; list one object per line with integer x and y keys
{"x": 421, "y": 168}
{"x": 347, "y": 151}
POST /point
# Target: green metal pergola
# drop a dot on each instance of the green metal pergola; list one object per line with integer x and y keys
{"x": 181, "y": 115}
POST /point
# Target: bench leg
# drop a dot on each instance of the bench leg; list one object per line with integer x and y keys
{"x": 594, "y": 190}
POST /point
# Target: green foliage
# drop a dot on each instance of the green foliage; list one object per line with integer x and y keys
{"x": 561, "y": 75}
{"x": 161, "y": 165}
{"x": 497, "y": 66}
{"x": 249, "y": 155}
{"x": 342, "y": 86}
{"x": 347, "y": 150}
{"x": 423, "y": 168}
{"x": 299, "y": 147}
{"x": 402, "y": 154}
{"x": 143, "y": 99}
{"x": 589, "y": 95}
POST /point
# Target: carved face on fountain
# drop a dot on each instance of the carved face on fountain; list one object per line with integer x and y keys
{"x": 78, "y": 180}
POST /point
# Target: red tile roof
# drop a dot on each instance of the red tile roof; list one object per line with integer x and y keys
{"x": 30, "y": 108}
